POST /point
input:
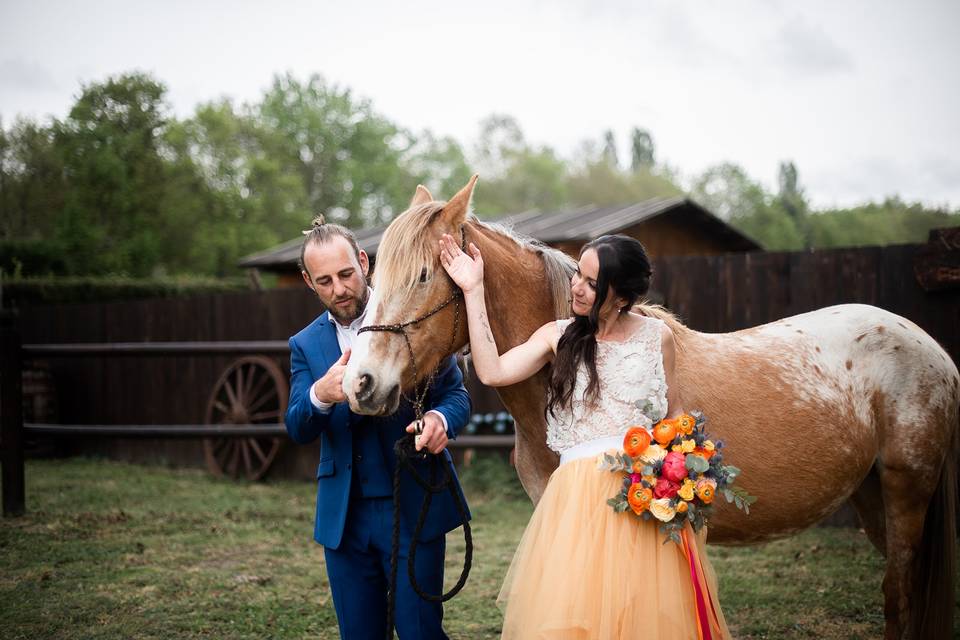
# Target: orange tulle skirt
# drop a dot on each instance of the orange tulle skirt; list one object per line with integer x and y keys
{"x": 582, "y": 571}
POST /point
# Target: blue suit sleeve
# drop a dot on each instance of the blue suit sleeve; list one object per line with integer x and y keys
{"x": 450, "y": 398}
{"x": 304, "y": 421}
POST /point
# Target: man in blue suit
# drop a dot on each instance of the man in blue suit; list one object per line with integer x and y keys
{"x": 355, "y": 475}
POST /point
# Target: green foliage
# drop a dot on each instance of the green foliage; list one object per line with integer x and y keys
{"x": 641, "y": 150}
{"x": 785, "y": 222}
{"x": 892, "y": 221}
{"x": 19, "y": 256}
{"x": 31, "y": 291}
{"x": 31, "y": 181}
{"x": 598, "y": 183}
{"x": 114, "y": 177}
{"x": 122, "y": 187}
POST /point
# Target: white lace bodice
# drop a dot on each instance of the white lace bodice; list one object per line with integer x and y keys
{"x": 633, "y": 390}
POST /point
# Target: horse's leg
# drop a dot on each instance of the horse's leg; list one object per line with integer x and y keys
{"x": 918, "y": 490}
{"x": 868, "y": 503}
{"x": 905, "y": 501}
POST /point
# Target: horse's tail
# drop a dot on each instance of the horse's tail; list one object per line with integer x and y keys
{"x": 932, "y": 603}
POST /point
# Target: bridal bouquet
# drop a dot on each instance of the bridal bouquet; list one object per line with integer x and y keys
{"x": 672, "y": 473}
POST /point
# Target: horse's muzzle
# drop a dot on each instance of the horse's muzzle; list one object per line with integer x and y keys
{"x": 367, "y": 397}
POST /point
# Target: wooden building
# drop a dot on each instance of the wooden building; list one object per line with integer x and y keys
{"x": 666, "y": 226}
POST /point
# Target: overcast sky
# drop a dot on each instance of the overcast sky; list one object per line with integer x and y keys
{"x": 863, "y": 96}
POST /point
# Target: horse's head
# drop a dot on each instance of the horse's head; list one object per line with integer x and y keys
{"x": 409, "y": 283}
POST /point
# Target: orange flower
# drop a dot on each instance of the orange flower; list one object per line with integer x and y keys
{"x": 681, "y": 507}
{"x": 706, "y": 490}
{"x": 639, "y": 498}
{"x": 636, "y": 441}
{"x": 703, "y": 453}
{"x": 650, "y": 480}
{"x": 665, "y": 431}
{"x": 685, "y": 424}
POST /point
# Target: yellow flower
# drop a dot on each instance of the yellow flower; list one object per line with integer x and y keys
{"x": 650, "y": 480}
{"x": 653, "y": 453}
{"x": 687, "y": 489}
{"x": 687, "y": 446}
{"x": 662, "y": 510}
{"x": 708, "y": 445}
{"x": 681, "y": 507}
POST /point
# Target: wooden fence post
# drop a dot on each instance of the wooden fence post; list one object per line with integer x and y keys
{"x": 11, "y": 415}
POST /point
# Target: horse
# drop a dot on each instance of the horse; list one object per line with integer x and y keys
{"x": 846, "y": 402}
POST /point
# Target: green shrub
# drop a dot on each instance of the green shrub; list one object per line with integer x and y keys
{"x": 32, "y": 291}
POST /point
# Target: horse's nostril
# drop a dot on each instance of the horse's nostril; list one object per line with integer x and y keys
{"x": 363, "y": 387}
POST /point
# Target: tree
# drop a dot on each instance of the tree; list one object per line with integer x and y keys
{"x": 878, "y": 223}
{"x": 437, "y": 163}
{"x": 791, "y": 199}
{"x": 236, "y": 197}
{"x": 500, "y": 142}
{"x": 728, "y": 192}
{"x": 114, "y": 176}
{"x": 641, "y": 147}
{"x": 347, "y": 156}
{"x": 31, "y": 181}
{"x": 610, "y": 149}
{"x": 535, "y": 180}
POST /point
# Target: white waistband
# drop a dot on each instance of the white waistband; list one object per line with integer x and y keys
{"x": 591, "y": 448}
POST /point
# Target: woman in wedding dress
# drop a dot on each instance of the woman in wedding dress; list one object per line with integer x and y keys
{"x": 581, "y": 570}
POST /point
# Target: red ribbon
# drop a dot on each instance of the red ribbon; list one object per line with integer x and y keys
{"x": 703, "y": 615}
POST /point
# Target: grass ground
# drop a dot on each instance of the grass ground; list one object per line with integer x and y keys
{"x": 109, "y": 550}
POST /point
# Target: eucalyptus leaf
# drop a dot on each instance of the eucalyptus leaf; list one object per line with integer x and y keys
{"x": 697, "y": 464}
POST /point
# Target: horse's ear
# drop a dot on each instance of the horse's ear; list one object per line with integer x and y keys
{"x": 422, "y": 196}
{"x": 456, "y": 209}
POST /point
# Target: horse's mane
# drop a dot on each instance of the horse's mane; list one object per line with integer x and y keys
{"x": 406, "y": 254}
{"x": 660, "y": 312}
{"x": 558, "y": 266}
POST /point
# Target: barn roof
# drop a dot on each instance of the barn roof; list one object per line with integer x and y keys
{"x": 582, "y": 224}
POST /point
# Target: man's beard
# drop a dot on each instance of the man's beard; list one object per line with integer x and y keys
{"x": 353, "y": 312}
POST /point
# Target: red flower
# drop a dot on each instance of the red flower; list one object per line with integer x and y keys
{"x": 666, "y": 489}
{"x": 674, "y": 467}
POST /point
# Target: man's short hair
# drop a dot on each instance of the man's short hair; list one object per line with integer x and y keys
{"x": 321, "y": 232}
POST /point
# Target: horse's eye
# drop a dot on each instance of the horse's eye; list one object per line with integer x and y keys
{"x": 423, "y": 275}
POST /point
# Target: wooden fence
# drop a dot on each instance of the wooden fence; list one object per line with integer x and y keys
{"x": 714, "y": 294}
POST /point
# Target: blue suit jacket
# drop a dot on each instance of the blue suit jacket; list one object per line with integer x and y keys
{"x": 312, "y": 351}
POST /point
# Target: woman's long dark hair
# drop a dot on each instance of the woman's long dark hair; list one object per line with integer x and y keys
{"x": 625, "y": 268}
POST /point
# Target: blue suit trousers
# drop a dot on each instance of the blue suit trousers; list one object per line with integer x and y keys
{"x": 359, "y": 573}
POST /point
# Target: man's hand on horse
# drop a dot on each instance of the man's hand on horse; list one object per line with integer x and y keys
{"x": 434, "y": 435}
{"x": 329, "y": 388}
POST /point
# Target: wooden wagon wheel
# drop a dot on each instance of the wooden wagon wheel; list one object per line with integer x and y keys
{"x": 252, "y": 390}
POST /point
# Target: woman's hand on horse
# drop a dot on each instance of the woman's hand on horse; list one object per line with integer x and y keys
{"x": 465, "y": 270}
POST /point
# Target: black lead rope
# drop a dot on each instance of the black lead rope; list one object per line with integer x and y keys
{"x": 405, "y": 451}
